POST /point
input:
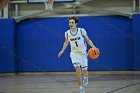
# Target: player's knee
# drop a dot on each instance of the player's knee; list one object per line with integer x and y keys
{"x": 78, "y": 69}
{"x": 85, "y": 72}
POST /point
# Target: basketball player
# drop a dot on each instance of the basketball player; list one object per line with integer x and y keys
{"x": 78, "y": 38}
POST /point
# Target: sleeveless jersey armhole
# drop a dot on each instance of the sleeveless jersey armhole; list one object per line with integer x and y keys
{"x": 81, "y": 31}
{"x": 66, "y": 34}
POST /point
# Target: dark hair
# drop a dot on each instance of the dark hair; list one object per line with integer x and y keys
{"x": 74, "y": 18}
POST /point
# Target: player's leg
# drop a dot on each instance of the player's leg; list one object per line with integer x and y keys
{"x": 85, "y": 70}
{"x": 77, "y": 64}
{"x": 85, "y": 77}
{"x": 78, "y": 75}
{"x": 79, "y": 78}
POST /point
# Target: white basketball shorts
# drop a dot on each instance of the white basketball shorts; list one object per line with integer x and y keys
{"x": 79, "y": 59}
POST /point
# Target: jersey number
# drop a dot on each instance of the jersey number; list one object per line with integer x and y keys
{"x": 76, "y": 43}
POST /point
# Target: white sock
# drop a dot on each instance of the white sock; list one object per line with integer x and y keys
{"x": 85, "y": 77}
{"x": 81, "y": 87}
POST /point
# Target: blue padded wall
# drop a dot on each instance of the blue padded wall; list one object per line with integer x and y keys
{"x": 110, "y": 34}
{"x": 36, "y": 42}
{"x": 136, "y": 31}
{"x": 40, "y": 40}
{"x": 7, "y": 55}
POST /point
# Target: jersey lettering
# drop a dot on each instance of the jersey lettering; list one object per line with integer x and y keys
{"x": 77, "y": 41}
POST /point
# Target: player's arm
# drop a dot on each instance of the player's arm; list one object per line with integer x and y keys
{"x": 84, "y": 33}
{"x": 65, "y": 44}
{"x": 64, "y": 47}
{"x": 89, "y": 41}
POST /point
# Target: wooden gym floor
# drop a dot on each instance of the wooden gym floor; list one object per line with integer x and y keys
{"x": 66, "y": 83}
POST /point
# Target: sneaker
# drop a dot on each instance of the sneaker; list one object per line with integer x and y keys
{"x": 85, "y": 81}
{"x": 82, "y": 90}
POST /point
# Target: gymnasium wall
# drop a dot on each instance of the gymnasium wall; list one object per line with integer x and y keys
{"x": 136, "y": 31}
{"x": 40, "y": 40}
{"x": 7, "y": 56}
{"x": 35, "y": 43}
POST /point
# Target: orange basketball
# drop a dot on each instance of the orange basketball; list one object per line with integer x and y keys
{"x": 93, "y": 53}
{"x": 3, "y": 3}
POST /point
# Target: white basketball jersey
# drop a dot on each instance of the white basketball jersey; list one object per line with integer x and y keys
{"x": 77, "y": 40}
